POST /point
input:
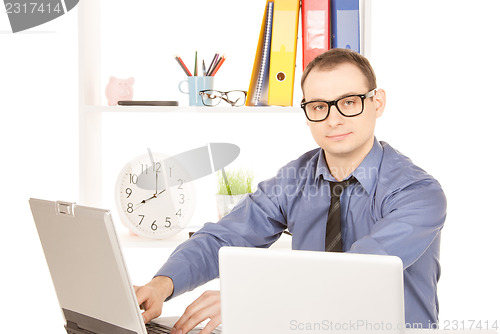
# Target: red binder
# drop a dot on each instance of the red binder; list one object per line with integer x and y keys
{"x": 315, "y": 29}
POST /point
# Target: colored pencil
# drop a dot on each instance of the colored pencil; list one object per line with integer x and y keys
{"x": 219, "y": 59}
{"x": 212, "y": 64}
{"x": 196, "y": 63}
{"x": 183, "y": 66}
{"x": 218, "y": 65}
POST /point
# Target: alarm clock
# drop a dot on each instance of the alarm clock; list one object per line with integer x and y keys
{"x": 153, "y": 196}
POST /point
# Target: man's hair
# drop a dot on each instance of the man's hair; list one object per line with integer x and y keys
{"x": 334, "y": 57}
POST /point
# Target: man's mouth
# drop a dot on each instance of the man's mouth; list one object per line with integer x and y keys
{"x": 338, "y": 137}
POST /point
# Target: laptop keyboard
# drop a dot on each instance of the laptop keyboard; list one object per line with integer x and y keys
{"x": 154, "y": 328}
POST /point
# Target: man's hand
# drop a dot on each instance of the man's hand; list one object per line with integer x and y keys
{"x": 152, "y": 295}
{"x": 207, "y": 306}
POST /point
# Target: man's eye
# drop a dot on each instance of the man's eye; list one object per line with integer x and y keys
{"x": 351, "y": 102}
{"x": 319, "y": 107}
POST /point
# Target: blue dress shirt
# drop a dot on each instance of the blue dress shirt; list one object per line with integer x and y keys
{"x": 394, "y": 208}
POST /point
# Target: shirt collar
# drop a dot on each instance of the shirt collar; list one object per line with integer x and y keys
{"x": 366, "y": 173}
{"x": 322, "y": 168}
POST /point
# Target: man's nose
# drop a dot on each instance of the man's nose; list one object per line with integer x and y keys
{"x": 335, "y": 118}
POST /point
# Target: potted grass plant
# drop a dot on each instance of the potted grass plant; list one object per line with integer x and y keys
{"x": 232, "y": 187}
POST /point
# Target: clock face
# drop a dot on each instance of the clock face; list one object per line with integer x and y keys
{"x": 152, "y": 196}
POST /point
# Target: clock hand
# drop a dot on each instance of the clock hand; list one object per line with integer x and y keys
{"x": 156, "y": 172}
{"x": 156, "y": 183}
{"x": 144, "y": 201}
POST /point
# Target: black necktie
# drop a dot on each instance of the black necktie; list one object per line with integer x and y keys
{"x": 333, "y": 239}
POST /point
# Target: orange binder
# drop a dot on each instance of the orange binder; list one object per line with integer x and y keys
{"x": 315, "y": 29}
{"x": 283, "y": 52}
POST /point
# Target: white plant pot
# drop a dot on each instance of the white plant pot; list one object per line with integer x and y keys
{"x": 225, "y": 203}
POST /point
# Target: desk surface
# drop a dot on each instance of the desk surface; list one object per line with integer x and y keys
{"x": 450, "y": 331}
{"x": 170, "y": 321}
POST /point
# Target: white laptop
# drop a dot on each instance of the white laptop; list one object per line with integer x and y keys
{"x": 285, "y": 291}
{"x": 88, "y": 271}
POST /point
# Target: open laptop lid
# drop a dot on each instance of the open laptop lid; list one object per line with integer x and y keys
{"x": 283, "y": 291}
{"x": 87, "y": 268}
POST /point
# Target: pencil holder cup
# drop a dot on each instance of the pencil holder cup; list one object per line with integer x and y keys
{"x": 195, "y": 85}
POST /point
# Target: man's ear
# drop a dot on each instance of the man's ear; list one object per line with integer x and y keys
{"x": 307, "y": 121}
{"x": 379, "y": 99}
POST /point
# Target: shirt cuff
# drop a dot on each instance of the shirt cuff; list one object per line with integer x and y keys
{"x": 177, "y": 271}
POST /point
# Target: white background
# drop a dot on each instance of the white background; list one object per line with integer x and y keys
{"x": 437, "y": 60}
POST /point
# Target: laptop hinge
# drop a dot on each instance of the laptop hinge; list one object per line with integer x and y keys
{"x": 78, "y": 323}
{"x": 72, "y": 328}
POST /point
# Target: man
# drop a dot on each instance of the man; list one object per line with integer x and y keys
{"x": 390, "y": 206}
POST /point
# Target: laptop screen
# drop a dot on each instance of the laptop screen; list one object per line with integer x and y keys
{"x": 87, "y": 268}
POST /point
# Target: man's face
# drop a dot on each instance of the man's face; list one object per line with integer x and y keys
{"x": 343, "y": 137}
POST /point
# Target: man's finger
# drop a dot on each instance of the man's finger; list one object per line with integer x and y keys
{"x": 140, "y": 294}
{"x": 211, "y": 325}
{"x": 192, "y": 318}
{"x": 150, "y": 314}
{"x": 146, "y": 303}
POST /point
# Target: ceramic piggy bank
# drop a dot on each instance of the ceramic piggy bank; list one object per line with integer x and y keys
{"x": 119, "y": 90}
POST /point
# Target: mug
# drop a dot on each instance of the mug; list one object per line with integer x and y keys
{"x": 195, "y": 84}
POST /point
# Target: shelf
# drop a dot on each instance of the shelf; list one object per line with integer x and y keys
{"x": 182, "y": 109}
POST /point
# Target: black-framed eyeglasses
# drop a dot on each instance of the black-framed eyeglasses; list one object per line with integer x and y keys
{"x": 348, "y": 106}
{"x": 211, "y": 98}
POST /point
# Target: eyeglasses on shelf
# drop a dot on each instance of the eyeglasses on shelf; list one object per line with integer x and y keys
{"x": 235, "y": 98}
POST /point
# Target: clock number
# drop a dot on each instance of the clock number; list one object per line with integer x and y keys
{"x": 133, "y": 178}
{"x": 180, "y": 184}
{"x": 130, "y": 207}
{"x": 128, "y": 191}
{"x": 154, "y": 227}
{"x": 142, "y": 218}
{"x": 144, "y": 168}
{"x": 168, "y": 223}
{"x": 181, "y": 201}
{"x": 158, "y": 166}
{"x": 179, "y": 213}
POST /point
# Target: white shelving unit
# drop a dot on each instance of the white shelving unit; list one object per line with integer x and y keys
{"x": 91, "y": 108}
{"x": 145, "y": 255}
{"x": 89, "y": 96}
